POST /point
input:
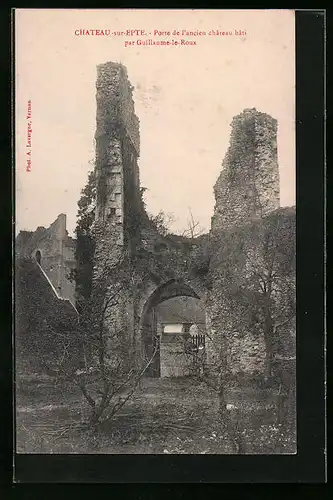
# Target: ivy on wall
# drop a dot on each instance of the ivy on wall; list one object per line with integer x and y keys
{"x": 253, "y": 283}
{"x": 85, "y": 244}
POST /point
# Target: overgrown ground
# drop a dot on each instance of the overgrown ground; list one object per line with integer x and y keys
{"x": 164, "y": 416}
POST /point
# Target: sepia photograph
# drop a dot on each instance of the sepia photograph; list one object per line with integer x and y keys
{"x": 155, "y": 243}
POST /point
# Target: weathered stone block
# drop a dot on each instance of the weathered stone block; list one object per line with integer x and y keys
{"x": 248, "y": 186}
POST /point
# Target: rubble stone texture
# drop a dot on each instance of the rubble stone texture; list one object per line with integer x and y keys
{"x": 54, "y": 251}
{"x": 117, "y": 152}
{"x": 246, "y": 190}
{"x": 252, "y": 264}
{"x": 39, "y": 312}
{"x": 148, "y": 266}
{"x": 248, "y": 186}
{"x": 122, "y": 226}
{"x": 117, "y": 176}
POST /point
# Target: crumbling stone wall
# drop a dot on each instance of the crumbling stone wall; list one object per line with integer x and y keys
{"x": 57, "y": 251}
{"x": 116, "y": 231}
{"x": 122, "y": 230}
{"x": 117, "y": 152}
{"x": 246, "y": 192}
{"x": 42, "y": 320}
{"x": 252, "y": 301}
{"x": 248, "y": 186}
{"x": 246, "y": 354}
{"x": 246, "y": 197}
{"x": 174, "y": 362}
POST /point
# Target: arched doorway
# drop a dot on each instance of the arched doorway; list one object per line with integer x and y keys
{"x": 161, "y": 314}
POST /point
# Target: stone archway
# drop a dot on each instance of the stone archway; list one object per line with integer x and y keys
{"x": 148, "y": 324}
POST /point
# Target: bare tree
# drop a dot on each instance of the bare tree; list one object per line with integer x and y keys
{"x": 213, "y": 376}
{"x": 254, "y": 292}
{"x": 270, "y": 282}
{"x": 110, "y": 365}
{"x": 193, "y": 230}
{"x": 97, "y": 354}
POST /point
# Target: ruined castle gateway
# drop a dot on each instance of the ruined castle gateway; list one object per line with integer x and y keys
{"x": 248, "y": 186}
{"x": 155, "y": 267}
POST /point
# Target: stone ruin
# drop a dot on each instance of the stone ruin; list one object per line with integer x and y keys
{"x": 248, "y": 186}
{"x": 166, "y": 270}
{"x": 246, "y": 190}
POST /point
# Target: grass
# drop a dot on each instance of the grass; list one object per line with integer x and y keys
{"x": 164, "y": 416}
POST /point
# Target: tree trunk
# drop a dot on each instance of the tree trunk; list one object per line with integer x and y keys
{"x": 224, "y": 416}
{"x": 221, "y": 393}
{"x": 268, "y": 356}
{"x": 268, "y": 338}
{"x": 94, "y": 419}
{"x": 281, "y": 408}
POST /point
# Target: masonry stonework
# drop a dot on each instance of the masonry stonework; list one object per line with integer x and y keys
{"x": 54, "y": 250}
{"x": 117, "y": 180}
{"x": 248, "y": 186}
{"x": 246, "y": 190}
{"x": 117, "y": 152}
{"x": 122, "y": 230}
{"x": 252, "y": 299}
{"x": 145, "y": 267}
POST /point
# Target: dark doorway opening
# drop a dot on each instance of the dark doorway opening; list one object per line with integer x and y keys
{"x": 152, "y": 320}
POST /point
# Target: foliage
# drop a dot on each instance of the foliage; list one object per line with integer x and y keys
{"x": 252, "y": 273}
{"x": 166, "y": 416}
{"x": 106, "y": 280}
{"x": 162, "y": 222}
{"x": 254, "y": 282}
{"x": 93, "y": 352}
{"x": 45, "y": 326}
{"x": 96, "y": 355}
{"x": 85, "y": 244}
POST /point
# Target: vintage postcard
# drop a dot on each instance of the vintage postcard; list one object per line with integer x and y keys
{"x": 155, "y": 294}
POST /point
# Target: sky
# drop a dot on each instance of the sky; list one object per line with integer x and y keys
{"x": 185, "y": 97}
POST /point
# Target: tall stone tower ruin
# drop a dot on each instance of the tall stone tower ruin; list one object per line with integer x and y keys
{"x": 117, "y": 152}
{"x": 118, "y": 201}
{"x": 248, "y": 186}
